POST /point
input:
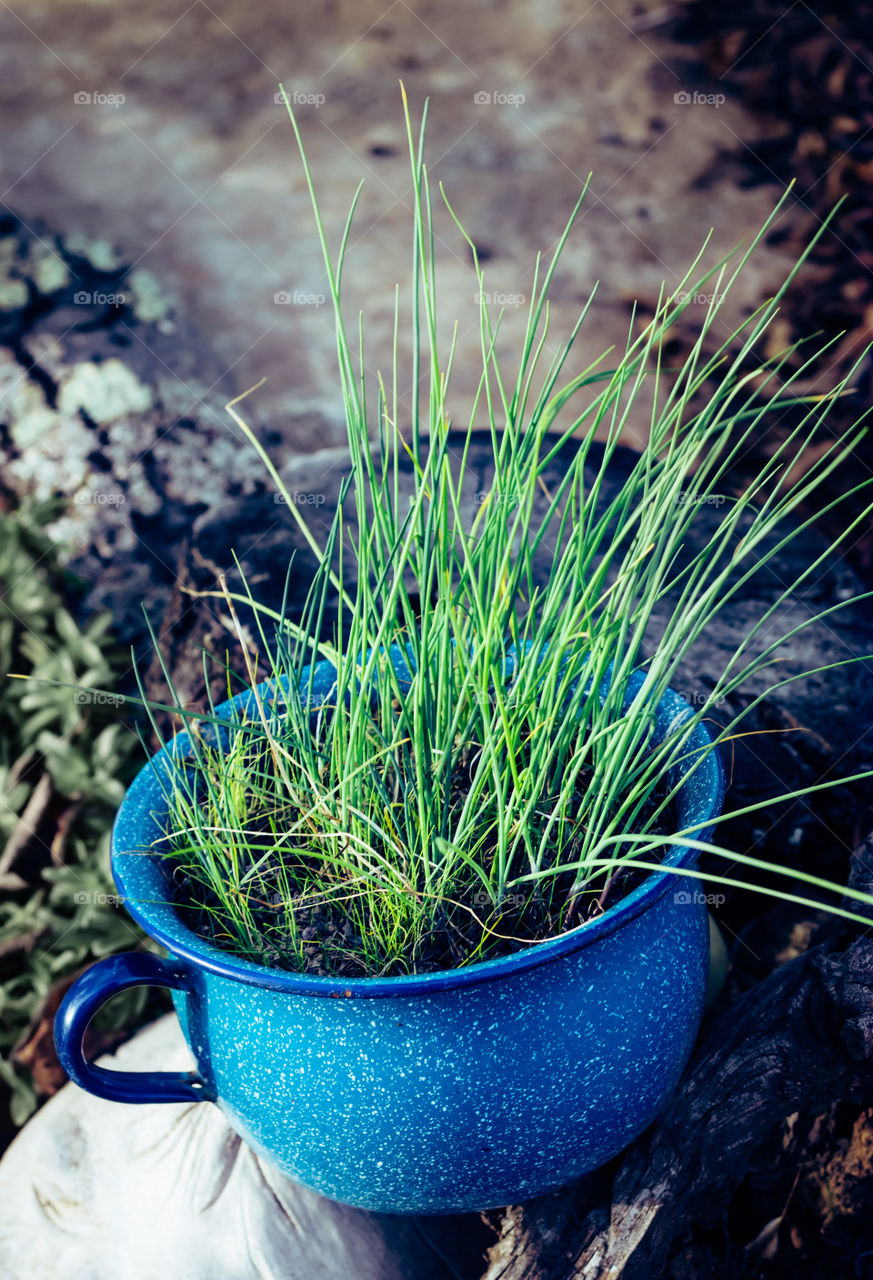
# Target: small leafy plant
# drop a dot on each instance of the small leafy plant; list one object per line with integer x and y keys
{"x": 483, "y": 771}
{"x": 63, "y": 768}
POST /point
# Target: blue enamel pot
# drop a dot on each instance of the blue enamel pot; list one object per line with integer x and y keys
{"x": 442, "y": 1092}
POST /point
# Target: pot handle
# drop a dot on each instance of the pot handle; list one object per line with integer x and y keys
{"x": 92, "y": 989}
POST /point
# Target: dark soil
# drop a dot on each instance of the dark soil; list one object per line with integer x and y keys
{"x": 322, "y": 937}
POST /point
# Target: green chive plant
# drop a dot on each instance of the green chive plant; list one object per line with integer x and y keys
{"x": 483, "y": 773}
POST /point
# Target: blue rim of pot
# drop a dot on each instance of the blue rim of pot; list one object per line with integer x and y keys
{"x": 699, "y": 799}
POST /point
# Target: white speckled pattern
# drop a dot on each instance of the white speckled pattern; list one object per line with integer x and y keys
{"x": 454, "y": 1091}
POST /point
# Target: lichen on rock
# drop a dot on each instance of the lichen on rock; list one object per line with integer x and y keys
{"x": 105, "y": 391}
{"x": 100, "y": 253}
{"x": 148, "y": 300}
{"x": 25, "y": 411}
{"x": 13, "y": 289}
{"x": 49, "y": 271}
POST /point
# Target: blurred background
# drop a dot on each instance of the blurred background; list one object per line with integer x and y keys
{"x": 158, "y": 255}
{"x": 160, "y": 138}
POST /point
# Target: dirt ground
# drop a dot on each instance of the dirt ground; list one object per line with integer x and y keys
{"x": 156, "y": 131}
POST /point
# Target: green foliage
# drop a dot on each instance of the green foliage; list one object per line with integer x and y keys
{"x": 63, "y": 754}
{"x": 504, "y": 771}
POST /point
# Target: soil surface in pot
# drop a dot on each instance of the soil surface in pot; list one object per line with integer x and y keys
{"x": 311, "y": 934}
